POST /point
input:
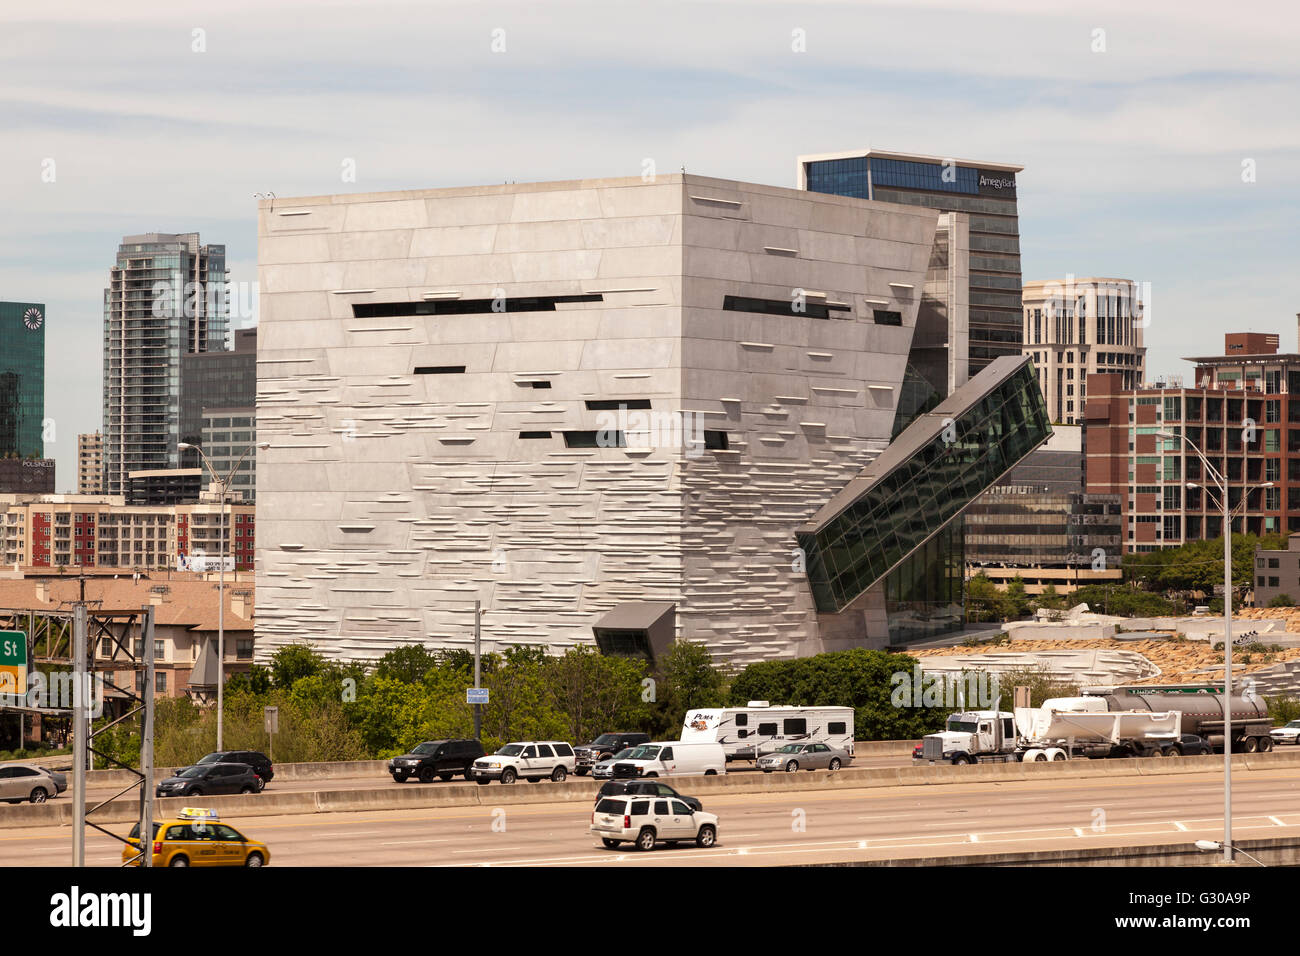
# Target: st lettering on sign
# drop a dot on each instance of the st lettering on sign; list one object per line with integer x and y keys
{"x": 13, "y": 662}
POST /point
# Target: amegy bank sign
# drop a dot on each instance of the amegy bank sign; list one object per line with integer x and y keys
{"x": 204, "y": 562}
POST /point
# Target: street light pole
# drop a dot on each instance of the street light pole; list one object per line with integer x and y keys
{"x": 221, "y": 578}
{"x": 1221, "y": 482}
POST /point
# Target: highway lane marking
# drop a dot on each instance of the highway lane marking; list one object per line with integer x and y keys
{"x": 1180, "y": 825}
{"x": 408, "y": 842}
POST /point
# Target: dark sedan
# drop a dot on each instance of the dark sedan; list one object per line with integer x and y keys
{"x": 651, "y": 788}
{"x": 210, "y": 778}
{"x": 1189, "y": 745}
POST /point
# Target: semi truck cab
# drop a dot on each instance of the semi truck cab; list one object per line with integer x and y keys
{"x": 970, "y": 734}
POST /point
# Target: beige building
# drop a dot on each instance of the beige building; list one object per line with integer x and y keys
{"x": 1075, "y": 327}
{"x": 90, "y": 464}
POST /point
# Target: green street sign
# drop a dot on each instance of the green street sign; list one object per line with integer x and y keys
{"x": 13, "y": 663}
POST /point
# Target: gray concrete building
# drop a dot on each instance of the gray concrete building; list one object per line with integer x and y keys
{"x": 598, "y": 400}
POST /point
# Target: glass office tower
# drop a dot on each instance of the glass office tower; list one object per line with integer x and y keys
{"x": 986, "y": 194}
{"x": 22, "y": 379}
{"x": 166, "y": 298}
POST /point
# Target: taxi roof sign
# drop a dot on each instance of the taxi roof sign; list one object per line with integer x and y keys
{"x": 196, "y": 813}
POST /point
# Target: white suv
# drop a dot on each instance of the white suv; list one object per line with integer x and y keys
{"x": 531, "y": 759}
{"x": 645, "y": 821}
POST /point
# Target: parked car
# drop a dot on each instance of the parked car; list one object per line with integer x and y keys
{"x": 670, "y": 758}
{"x": 605, "y": 768}
{"x": 196, "y": 837}
{"x": 259, "y": 761}
{"x": 531, "y": 759}
{"x": 647, "y": 821}
{"x": 1290, "y": 734}
{"x": 437, "y": 758}
{"x": 207, "y": 779}
{"x": 794, "y": 757}
{"x": 649, "y": 788}
{"x": 19, "y": 782}
{"x": 604, "y": 747}
{"x": 1189, "y": 745}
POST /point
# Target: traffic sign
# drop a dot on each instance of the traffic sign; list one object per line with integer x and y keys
{"x": 13, "y": 662}
{"x": 271, "y": 719}
{"x": 476, "y": 695}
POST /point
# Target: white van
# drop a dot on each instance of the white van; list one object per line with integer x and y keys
{"x": 672, "y": 758}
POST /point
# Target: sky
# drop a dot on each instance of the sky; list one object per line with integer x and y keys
{"x": 1160, "y": 140}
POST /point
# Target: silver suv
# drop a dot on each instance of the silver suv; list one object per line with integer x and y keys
{"x": 531, "y": 759}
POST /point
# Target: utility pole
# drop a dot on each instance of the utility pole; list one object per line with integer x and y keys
{"x": 80, "y": 735}
{"x": 478, "y": 708}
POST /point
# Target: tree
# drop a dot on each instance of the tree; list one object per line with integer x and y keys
{"x": 1050, "y": 599}
{"x": 596, "y": 693}
{"x": 408, "y": 663}
{"x": 984, "y": 602}
{"x": 293, "y": 662}
{"x": 1282, "y": 600}
{"x": 256, "y": 681}
{"x": 1016, "y": 599}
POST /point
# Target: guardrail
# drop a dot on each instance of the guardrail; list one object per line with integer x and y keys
{"x": 582, "y": 789}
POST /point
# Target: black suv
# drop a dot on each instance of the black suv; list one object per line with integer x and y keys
{"x": 260, "y": 762}
{"x": 437, "y": 758}
{"x": 604, "y": 747}
{"x": 651, "y": 788}
{"x": 209, "y": 778}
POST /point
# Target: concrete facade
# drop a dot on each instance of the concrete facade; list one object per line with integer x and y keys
{"x": 399, "y": 484}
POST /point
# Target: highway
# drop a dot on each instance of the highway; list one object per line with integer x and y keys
{"x": 767, "y": 829}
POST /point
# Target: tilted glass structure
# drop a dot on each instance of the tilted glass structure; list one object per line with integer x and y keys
{"x": 918, "y": 486}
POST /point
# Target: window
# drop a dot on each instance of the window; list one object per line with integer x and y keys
{"x": 160, "y": 682}
{"x": 715, "y": 440}
{"x": 681, "y": 809}
{"x": 541, "y": 303}
{"x": 795, "y": 726}
{"x": 614, "y": 404}
{"x": 640, "y": 808}
{"x": 533, "y": 384}
{"x": 767, "y": 730}
{"x": 661, "y": 807}
{"x": 836, "y": 727}
{"x": 886, "y": 317}
{"x": 742, "y": 720}
{"x": 531, "y": 435}
{"x": 1272, "y": 562}
{"x": 438, "y": 369}
{"x": 1272, "y": 582}
{"x": 544, "y": 750}
{"x": 105, "y": 647}
{"x": 666, "y": 754}
{"x": 605, "y": 438}
{"x": 792, "y": 307}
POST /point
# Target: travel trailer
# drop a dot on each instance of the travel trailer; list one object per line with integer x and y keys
{"x": 747, "y": 733}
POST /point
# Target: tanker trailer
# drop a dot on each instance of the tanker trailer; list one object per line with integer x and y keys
{"x": 1202, "y": 708}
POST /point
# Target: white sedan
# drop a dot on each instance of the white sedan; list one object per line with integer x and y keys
{"x": 1290, "y": 734}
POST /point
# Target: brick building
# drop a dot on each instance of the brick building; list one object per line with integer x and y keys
{"x": 1242, "y": 410}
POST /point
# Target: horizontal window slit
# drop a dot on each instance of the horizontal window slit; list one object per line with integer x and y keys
{"x": 438, "y": 369}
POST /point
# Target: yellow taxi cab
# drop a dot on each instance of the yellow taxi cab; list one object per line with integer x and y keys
{"x": 197, "y": 837}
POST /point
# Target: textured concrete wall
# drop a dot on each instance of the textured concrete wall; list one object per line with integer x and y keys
{"x": 389, "y": 501}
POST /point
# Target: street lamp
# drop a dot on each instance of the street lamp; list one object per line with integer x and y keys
{"x": 1221, "y": 483}
{"x": 223, "y": 484}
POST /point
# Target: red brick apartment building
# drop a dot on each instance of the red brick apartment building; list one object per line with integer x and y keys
{"x": 1243, "y": 412}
